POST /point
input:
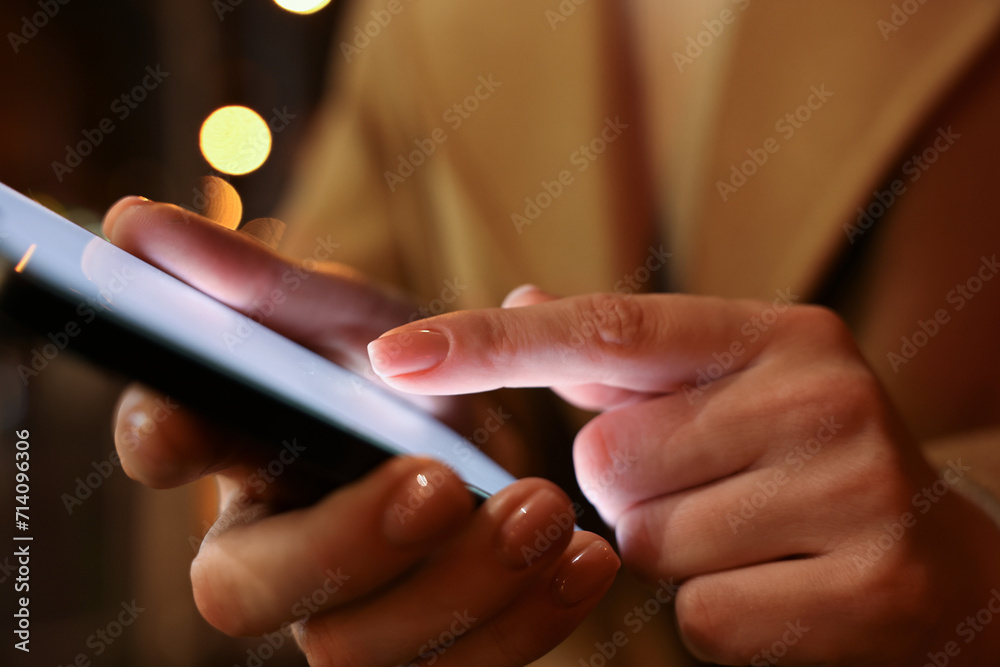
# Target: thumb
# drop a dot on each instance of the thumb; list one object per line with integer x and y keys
{"x": 322, "y": 305}
{"x": 232, "y": 267}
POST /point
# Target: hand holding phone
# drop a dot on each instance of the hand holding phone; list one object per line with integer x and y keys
{"x": 395, "y": 566}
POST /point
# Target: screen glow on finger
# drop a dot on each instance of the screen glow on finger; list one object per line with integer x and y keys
{"x": 235, "y": 140}
{"x": 302, "y": 6}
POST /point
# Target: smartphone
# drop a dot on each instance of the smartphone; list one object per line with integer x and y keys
{"x": 75, "y": 291}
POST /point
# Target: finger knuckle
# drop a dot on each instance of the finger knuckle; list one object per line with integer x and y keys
{"x": 593, "y": 451}
{"x": 898, "y": 596}
{"x": 703, "y": 631}
{"x": 504, "y": 342}
{"x": 642, "y": 546}
{"x": 508, "y": 644}
{"x": 616, "y": 321}
{"x": 825, "y": 399}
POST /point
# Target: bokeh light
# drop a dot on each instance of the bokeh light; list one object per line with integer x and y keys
{"x": 235, "y": 140}
{"x": 302, "y": 6}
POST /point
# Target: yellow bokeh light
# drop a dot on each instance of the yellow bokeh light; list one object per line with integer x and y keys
{"x": 235, "y": 140}
{"x": 302, "y": 6}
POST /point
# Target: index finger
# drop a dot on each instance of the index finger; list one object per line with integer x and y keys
{"x": 647, "y": 343}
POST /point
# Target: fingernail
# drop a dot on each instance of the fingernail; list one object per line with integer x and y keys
{"x": 407, "y": 352}
{"x": 426, "y": 504}
{"x": 587, "y": 573}
{"x": 517, "y": 293}
{"x": 115, "y": 212}
{"x": 540, "y": 523}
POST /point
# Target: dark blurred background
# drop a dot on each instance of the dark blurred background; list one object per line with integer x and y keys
{"x": 103, "y": 544}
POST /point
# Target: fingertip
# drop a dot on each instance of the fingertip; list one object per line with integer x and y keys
{"x": 588, "y": 569}
{"x": 143, "y": 457}
{"x": 407, "y": 352}
{"x": 162, "y": 445}
{"x": 114, "y": 214}
{"x": 429, "y": 501}
{"x": 537, "y": 522}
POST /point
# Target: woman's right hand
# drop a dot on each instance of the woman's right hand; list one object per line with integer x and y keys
{"x": 396, "y": 567}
